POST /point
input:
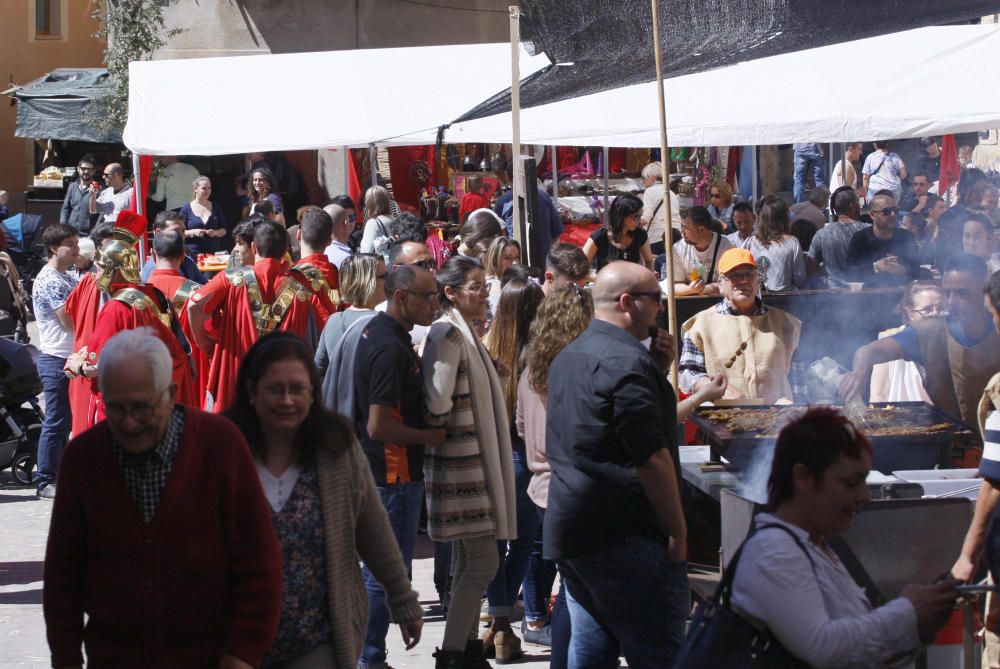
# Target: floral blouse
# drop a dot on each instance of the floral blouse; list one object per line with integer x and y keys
{"x": 305, "y": 610}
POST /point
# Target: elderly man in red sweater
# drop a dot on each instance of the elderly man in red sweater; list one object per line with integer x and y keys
{"x": 161, "y": 535}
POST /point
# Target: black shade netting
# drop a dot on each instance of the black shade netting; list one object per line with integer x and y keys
{"x": 597, "y": 45}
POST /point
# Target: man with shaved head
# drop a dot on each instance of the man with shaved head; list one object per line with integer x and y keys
{"x": 339, "y": 250}
{"x": 614, "y": 521}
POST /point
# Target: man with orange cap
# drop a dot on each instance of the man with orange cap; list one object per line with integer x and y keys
{"x": 751, "y": 344}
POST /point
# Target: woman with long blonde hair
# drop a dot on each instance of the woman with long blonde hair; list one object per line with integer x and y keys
{"x": 562, "y": 317}
{"x": 378, "y": 214}
{"x": 506, "y": 340}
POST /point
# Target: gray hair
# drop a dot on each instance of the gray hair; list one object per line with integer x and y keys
{"x": 652, "y": 170}
{"x": 136, "y": 346}
{"x": 820, "y": 196}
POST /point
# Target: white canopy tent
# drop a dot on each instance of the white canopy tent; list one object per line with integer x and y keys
{"x": 217, "y": 106}
{"x": 910, "y": 84}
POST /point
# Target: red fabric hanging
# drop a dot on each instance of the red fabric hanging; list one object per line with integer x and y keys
{"x": 733, "y": 165}
{"x": 402, "y": 170}
{"x": 950, "y": 169}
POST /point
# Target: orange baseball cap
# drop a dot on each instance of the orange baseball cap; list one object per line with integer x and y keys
{"x": 733, "y": 258}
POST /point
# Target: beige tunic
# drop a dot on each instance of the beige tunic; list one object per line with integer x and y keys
{"x": 761, "y": 372}
{"x": 956, "y": 375}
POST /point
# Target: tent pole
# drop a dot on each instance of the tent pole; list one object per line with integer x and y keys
{"x": 607, "y": 205}
{"x": 373, "y": 163}
{"x": 515, "y": 115}
{"x": 554, "y": 164}
{"x": 829, "y": 209}
{"x": 753, "y": 173}
{"x": 139, "y": 195}
{"x": 665, "y": 169}
{"x": 843, "y": 165}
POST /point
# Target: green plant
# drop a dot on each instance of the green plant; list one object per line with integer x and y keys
{"x": 134, "y": 30}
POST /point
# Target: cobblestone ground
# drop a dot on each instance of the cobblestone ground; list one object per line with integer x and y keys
{"x": 24, "y": 524}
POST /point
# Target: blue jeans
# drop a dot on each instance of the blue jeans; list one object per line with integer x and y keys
{"x": 402, "y": 502}
{"x": 627, "y": 599}
{"x": 502, "y": 592}
{"x": 58, "y": 419}
{"x": 805, "y": 161}
{"x": 538, "y": 579}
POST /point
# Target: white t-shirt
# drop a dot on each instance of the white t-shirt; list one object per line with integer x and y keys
{"x": 49, "y": 292}
{"x": 110, "y": 203}
{"x": 687, "y": 258}
{"x": 175, "y": 183}
{"x": 337, "y": 253}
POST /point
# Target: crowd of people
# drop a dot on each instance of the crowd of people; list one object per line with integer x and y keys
{"x": 254, "y": 453}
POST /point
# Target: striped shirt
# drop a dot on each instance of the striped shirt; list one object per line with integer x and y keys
{"x": 989, "y": 466}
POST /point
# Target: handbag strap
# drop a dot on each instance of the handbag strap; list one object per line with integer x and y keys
{"x": 724, "y": 591}
{"x": 650, "y": 224}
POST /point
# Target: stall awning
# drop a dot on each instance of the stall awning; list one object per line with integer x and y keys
{"x": 57, "y": 106}
{"x": 605, "y": 44}
{"x": 830, "y": 94}
{"x": 213, "y": 106}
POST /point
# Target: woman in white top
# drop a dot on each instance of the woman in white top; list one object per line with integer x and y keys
{"x": 799, "y": 590}
{"x": 500, "y": 256}
{"x": 852, "y": 153}
{"x": 377, "y": 210}
{"x": 777, "y": 252}
{"x": 902, "y": 380}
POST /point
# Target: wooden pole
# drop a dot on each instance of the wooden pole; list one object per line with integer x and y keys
{"x": 515, "y": 113}
{"x": 139, "y": 201}
{"x": 665, "y": 166}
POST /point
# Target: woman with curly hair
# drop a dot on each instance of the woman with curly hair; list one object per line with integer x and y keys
{"x": 563, "y": 315}
{"x": 622, "y": 238}
{"x": 263, "y": 186}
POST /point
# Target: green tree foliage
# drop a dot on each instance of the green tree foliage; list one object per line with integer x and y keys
{"x": 134, "y": 30}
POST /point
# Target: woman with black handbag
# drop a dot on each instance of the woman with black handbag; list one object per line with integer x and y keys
{"x": 786, "y": 599}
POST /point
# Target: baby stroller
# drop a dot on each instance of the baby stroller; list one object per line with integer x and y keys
{"x": 20, "y": 415}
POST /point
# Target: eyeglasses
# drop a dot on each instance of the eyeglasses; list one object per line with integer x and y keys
{"x": 715, "y": 195}
{"x": 138, "y": 410}
{"x": 85, "y": 169}
{"x": 738, "y": 277}
{"x": 430, "y": 297}
{"x": 886, "y": 211}
{"x": 296, "y": 391}
{"x": 477, "y": 288}
{"x": 928, "y": 311}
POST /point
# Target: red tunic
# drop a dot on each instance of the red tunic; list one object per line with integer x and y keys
{"x": 236, "y": 327}
{"x": 201, "y": 579}
{"x": 117, "y": 316}
{"x": 168, "y": 281}
{"x": 321, "y": 302}
{"x": 471, "y": 202}
{"x": 82, "y": 305}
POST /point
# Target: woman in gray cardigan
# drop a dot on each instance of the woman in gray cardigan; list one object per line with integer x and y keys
{"x": 325, "y": 509}
{"x": 470, "y": 477}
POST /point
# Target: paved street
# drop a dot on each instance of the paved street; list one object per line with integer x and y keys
{"x": 24, "y": 523}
